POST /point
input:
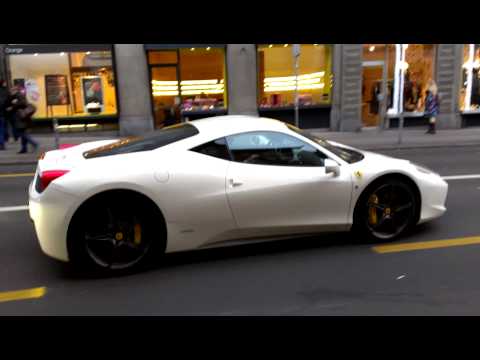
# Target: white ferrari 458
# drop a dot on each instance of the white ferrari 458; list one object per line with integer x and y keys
{"x": 219, "y": 181}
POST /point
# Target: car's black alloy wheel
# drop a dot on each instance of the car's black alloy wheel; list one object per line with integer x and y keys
{"x": 113, "y": 235}
{"x": 113, "y": 239}
{"x": 386, "y": 210}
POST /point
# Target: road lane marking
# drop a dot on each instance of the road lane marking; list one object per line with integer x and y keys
{"x": 26, "y": 294}
{"x": 13, "y": 208}
{"x": 423, "y": 245}
{"x": 16, "y": 175}
{"x": 461, "y": 177}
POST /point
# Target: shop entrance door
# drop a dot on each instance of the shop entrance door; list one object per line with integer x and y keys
{"x": 372, "y": 73}
{"x": 165, "y": 95}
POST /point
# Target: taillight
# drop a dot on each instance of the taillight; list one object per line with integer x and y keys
{"x": 46, "y": 177}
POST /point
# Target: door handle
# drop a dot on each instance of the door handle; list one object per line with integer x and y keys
{"x": 234, "y": 183}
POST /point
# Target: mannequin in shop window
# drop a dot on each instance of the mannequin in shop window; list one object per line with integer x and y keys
{"x": 412, "y": 93}
{"x": 475, "y": 99}
{"x": 374, "y": 103}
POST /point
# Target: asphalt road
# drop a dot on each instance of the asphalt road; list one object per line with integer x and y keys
{"x": 326, "y": 275}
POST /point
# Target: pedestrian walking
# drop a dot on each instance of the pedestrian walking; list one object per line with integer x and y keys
{"x": 3, "y": 121}
{"x": 432, "y": 105}
{"x": 22, "y": 112}
{"x": 10, "y": 117}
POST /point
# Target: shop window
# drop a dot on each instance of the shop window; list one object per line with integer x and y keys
{"x": 375, "y": 59}
{"x": 162, "y": 57}
{"x": 66, "y": 84}
{"x": 414, "y": 67}
{"x": 470, "y": 89}
{"x": 418, "y": 68}
{"x": 276, "y": 75}
{"x": 186, "y": 82}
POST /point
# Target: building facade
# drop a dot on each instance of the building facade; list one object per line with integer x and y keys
{"x": 341, "y": 87}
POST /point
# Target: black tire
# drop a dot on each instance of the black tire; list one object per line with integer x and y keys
{"x": 115, "y": 233}
{"x": 387, "y": 209}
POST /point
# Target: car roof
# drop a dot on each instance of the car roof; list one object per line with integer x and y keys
{"x": 219, "y": 126}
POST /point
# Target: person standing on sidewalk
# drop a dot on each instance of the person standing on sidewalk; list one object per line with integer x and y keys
{"x": 432, "y": 105}
{"x": 3, "y": 120}
{"x": 22, "y": 112}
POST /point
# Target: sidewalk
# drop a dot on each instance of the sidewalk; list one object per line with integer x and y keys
{"x": 47, "y": 142}
{"x": 372, "y": 139}
{"x": 367, "y": 139}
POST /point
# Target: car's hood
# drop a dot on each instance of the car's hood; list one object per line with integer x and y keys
{"x": 370, "y": 155}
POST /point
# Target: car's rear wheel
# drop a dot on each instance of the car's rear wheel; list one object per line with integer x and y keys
{"x": 386, "y": 210}
{"x": 112, "y": 236}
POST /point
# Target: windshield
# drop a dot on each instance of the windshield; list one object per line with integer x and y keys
{"x": 151, "y": 141}
{"x": 348, "y": 155}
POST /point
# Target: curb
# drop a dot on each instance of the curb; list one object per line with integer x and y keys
{"x": 415, "y": 147}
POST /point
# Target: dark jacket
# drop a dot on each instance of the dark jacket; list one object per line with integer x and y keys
{"x": 3, "y": 100}
{"x": 19, "y": 102}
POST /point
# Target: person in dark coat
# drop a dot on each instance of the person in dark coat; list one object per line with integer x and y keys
{"x": 3, "y": 121}
{"x": 432, "y": 106}
{"x": 19, "y": 107}
{"x": 10, "y": 117}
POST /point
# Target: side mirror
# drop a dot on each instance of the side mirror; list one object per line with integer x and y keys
{"x": 332, "y": 167}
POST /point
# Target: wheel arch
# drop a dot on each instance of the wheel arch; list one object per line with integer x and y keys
{"x": 397, "y": 176}
{"x": 130, "y": 196}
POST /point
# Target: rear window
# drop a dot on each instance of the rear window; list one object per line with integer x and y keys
{"x": 216, "y": 148}
{"x": 148, "y": 142}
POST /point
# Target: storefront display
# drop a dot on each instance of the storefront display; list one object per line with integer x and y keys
{"x": 92, "y": 93}
{"x": 375, "y": 59}
{"x": 187, "y": 82}
{"x": 71, "y": 81}
{"x": 277, "y": 81}
{"x": 470, "y": 90}
{"x": 414, "y": 68}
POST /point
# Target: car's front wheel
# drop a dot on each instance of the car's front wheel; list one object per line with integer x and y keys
{"x": 386, "y": 210}
{"x": 113, "y": 235}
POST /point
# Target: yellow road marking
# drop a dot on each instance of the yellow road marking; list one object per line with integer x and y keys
{"x": 16, "y": 175}
{"x": 34, "y": 293}
{"x": 382, "y": 249}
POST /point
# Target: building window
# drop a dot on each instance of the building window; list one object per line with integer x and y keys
{"x": 186, "y": 83}
{"x": 276, "y": 75}
{"x": 470, "y": 90}
{"x": 376, "y": 58}
{"x": 66, "y": 84}
{"x": 414, "y": 68}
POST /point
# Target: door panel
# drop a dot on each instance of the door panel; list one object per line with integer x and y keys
{"x": 287, "y": 198}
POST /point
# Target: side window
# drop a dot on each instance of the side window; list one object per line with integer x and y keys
{"x": 273, "y": 148}
{"x": 216, "y": 148}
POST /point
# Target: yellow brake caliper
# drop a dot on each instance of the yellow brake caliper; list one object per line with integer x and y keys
{"x": 372, "y": 210}
{"x": 137, "y": 238}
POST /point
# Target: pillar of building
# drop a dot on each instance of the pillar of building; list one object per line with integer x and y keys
{"x": 448, "y": 75}
{"x": 134, "y": 98}
{"x": 347, "y": 91}
{"x": 335, "y": 112}
{"x": 242, "y": 79}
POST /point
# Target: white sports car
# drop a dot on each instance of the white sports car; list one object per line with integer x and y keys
{"x": 219, "y": 181}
